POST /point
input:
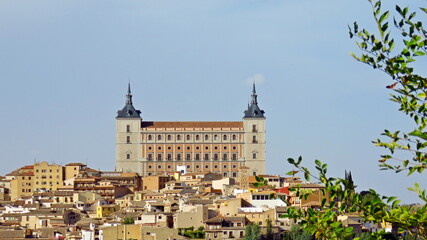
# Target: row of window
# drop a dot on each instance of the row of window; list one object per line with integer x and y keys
{"x": 159, "y": 137}
{"x": 188, "y": 156}
{"x": 45, "y": 170}
{"x": 196, "y": 166}
{"x": 189, "y": 148}
{"x": 188, "y": 137}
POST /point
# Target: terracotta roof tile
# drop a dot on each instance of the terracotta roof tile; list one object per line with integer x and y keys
{"x": 192, "y": 124}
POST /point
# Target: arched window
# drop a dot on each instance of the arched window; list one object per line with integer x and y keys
{"x": 150, "y": 137}
{"x": 254, "y": 139}
{"x": 188, "y": 137}
{"x": 234, "y": 137}
{"x": 224, "y": 137}
{"x": 169, "y": 137}
{"x": 206, "y": 137}
{"x": 216, "y": 137}
{"x": 178, "y": 137}
{"x": 159, "y": 137}
{"x": 197, "y": 137}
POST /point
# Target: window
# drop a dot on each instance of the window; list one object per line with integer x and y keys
{"x": 188, "y": 156}
{"x": 254, "y": 139}
{"x": 188, "y": 137}
{"x": 216, "y": 166}
{"x": 127, "y": 128}
{"x": 149, "y": 148}
{"x": 188, "y": 166}
{"x": 197, "y": 156}
{"x": 178, "y": 137}
{"x": 169, "y": 156}
{"x": 225, "y": 174}
{"x": 127, "y": 155}
{"x": 225, "y": 166}
{"x": 159, "y": 166}
{"x": 128, "y": 139}
{"x": 254, "y": 155}
{"x": 160, "y": 148}
{"x": 234, "y": 166}
{"x": 179, "y": 148}
{"x": 225, "y": 156}
{"x": 188, "y": 148}
{"x": 207, "y": 148}
{"x": 206, "y": 156}
{"x": 234, "y": 137}
{"x": 159, "y": 137}
{"x": 234, "y": 157}
{"x": 215, "y": 137}
{"x": 225, "y": 147}
{"x": 215, "y": 156}
{"x": 224, "y": 137}
{"x": 178, "y": 156}
{"x": 150, "y": 137}
{"x": 169, "y": 147}
{"x": 206, "y": 166}
{"x": 169, "y": 137}
{"x": 150, "y": 157}
{"x": 206, "y": 137}
{"x": 234, "y": 174}
{"x": 197, "y": 137}
{"x": 197, "y": 166}
{"x": 216, "y": 147}
{"x": 254, "y": 128}
{"x": 159, "y": 157}
{"x": 197, "y": 148}
{"x": 234, "y": 147}
{"x": 169, "y": 166}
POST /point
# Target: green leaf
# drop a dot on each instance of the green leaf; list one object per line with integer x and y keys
{"x": 384, "y": 16}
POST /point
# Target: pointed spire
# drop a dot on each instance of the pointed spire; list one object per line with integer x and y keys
{"x": 129, "y": 95}
{"x": 129, "y": 110}
{"x": 254, "y": 96}
{"x": 253, "y": 109}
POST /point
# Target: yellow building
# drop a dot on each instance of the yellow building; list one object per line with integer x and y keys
{"x": 48, "y": 177}
{"x": 22, "y": 182}
{"x": 153, "y": 148}
{"x": 106, "y": 210}
{"x": 73, "y": 169}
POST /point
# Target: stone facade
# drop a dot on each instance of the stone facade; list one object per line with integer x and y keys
{"x": 155, "y": 148}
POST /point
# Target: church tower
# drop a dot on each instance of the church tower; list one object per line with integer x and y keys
{"x": 254, "y": 137}
{"x": 128, "y": 128}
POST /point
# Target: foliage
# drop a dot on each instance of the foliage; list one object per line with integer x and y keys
{"x": 409, "y": 88}
{"x": 252, "y": 232}
{"x": 191, "y": 233}
{"x": 297, "y": 233}
{"x": 410, "y": 91}
{"x": 269, "y": 231}
{"x": 128, "y": 220}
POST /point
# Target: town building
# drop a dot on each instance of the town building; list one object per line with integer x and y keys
{"x": 154, "y": 148}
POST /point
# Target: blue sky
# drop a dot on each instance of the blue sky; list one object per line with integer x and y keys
{"x": 64, "y": 67}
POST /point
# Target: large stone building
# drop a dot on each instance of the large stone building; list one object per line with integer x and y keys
{"x": 152, "y": 148}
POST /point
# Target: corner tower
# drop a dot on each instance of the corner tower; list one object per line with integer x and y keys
{"x": 128, "y": 127}
{"x": 254, "y": 136}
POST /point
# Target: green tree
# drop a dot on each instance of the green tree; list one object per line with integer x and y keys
{"x": 128, "y": 220}
{"x": 269, "y": 230}
{"x": 395, "y": 56}
{"x": 297, "y": 233}
{"x": 252, "y": 232}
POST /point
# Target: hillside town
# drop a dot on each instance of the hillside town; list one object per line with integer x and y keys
{"x": 76, "y": 202}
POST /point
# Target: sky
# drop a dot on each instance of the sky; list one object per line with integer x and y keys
{"x": 65, "y": 66}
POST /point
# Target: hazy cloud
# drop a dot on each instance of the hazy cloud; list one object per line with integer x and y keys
{"x": 257, "y": 78}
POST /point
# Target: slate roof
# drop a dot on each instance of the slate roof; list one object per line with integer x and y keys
{"x": 129, "y": 110}
{"x": 253, "y": 109}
